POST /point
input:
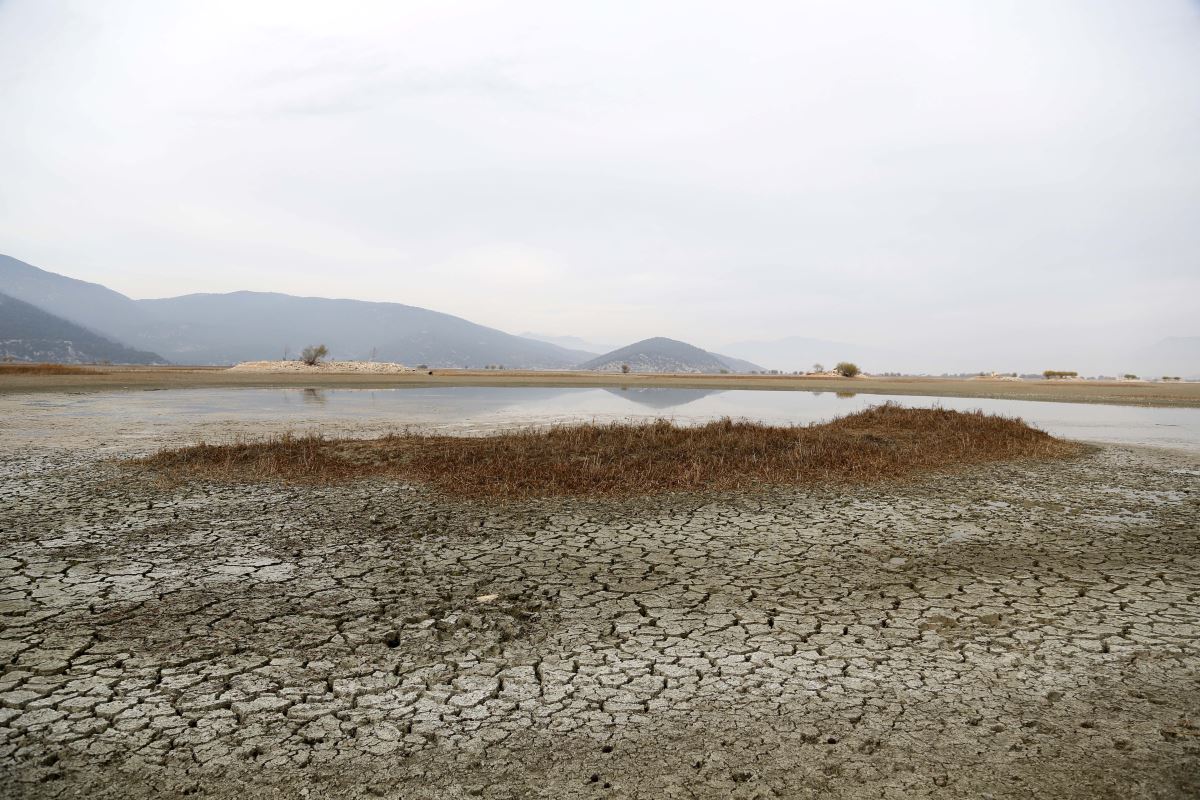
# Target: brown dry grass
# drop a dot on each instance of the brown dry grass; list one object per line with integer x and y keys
{"x": 630, "y": 459}
{"x": 43, "y": 369}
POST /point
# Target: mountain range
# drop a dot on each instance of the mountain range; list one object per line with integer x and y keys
{"x": 243, "y": 326}
{"x": 77, "y": 321}
{"x": 28, "y": 333}
{"x": 53, "y": 317}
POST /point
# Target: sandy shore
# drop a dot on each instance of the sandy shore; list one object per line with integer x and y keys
{"x": 1113, "y": 392}
{"x": 1021, "y": 630}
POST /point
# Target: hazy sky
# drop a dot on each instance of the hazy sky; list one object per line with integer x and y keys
{"x": 984, "y": 178}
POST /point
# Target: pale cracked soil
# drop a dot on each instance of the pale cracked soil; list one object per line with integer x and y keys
{"x": 1012, "y": 631}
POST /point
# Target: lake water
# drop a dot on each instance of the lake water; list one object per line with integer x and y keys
{"x": 485, "y": 408}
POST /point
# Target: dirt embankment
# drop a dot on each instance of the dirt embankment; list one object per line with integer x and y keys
{"x": 324, "y": 367}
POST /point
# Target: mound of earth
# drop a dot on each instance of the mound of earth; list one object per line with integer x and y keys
{"x": 321, "y": 366}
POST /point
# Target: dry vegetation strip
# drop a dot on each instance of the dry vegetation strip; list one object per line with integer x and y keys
{"x": 629, "y": 459}
{"x": 44, "y": 369}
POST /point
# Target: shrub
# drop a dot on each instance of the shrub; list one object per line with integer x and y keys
{"x": 846, "y": 369}
{"x": 1129, "y": 376}
{"x": 312, "y": 354}
{"x": 1059, "y": 373}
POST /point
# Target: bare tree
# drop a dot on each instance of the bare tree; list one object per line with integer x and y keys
{"x": 818, "y": 367}
{"x": 625, "y": 368}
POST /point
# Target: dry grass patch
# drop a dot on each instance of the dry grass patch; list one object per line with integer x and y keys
{"x": 629, "y": 459}
{"x": 43, "y": 369}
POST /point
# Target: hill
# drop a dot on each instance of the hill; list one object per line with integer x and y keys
{"x": 240, "y": 326}
{"x": 248, "y": 326}
{"x": 660, "y": 354}
{"x": 29, "y": 334}
{"x": 89, "y": 305}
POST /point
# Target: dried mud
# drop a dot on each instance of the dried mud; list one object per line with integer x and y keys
{"x": 1011, "y": 631}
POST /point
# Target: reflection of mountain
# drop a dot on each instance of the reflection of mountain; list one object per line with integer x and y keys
{"x": 459, "y": 402}
{"x": 662, "y": 398}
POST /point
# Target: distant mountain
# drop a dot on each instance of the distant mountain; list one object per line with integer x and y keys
{"x": 664, "y": 355}
{"x": 87, "y": 304}
{"x": 1177, "y": 355}
{"x": 586, "y": 348}
{"x": 800, "y": 353}
{"x": 29, "y": 334}
{"x": 243, "y": 326}
{"x": 739, "y": 364}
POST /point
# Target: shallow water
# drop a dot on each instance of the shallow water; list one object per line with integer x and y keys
{"x": 484, "y": 408}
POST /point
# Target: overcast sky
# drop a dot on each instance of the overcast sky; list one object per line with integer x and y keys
{"x": 977, "y": 178}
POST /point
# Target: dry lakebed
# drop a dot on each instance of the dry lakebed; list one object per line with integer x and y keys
{"x": 1012, "y": 629}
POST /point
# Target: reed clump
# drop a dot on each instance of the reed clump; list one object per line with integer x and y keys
{"x": 18, "y": 368}
{"x": 630, "y": 459}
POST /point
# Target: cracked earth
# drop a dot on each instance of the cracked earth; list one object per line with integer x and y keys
{"x": 1013, "y": 631}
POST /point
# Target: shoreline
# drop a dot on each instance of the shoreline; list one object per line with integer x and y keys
{"x": 1164, "y": 395}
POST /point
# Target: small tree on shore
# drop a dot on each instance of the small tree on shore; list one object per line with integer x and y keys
{"x": 818, "y": 367}
{"x": 625, "y": 369}
{"x": 847, "y": 369}
{"x": 1050, "y": 374}
{"x": 313, "y": 353}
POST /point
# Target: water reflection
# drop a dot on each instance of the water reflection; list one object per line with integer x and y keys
{"x": 661, "y": 398}
{"x": 479, "y": 407}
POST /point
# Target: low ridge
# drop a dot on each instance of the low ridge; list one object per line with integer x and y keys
{"x": 660, "y": 354}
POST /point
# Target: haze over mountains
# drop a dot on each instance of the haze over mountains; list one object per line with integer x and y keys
{"x": 247, "y": 326}
{"x": 802, "y": 353}
{"x": 28, "y": 333}
{"x": 82, "y": 321}
{"x": 242, "y": 326}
